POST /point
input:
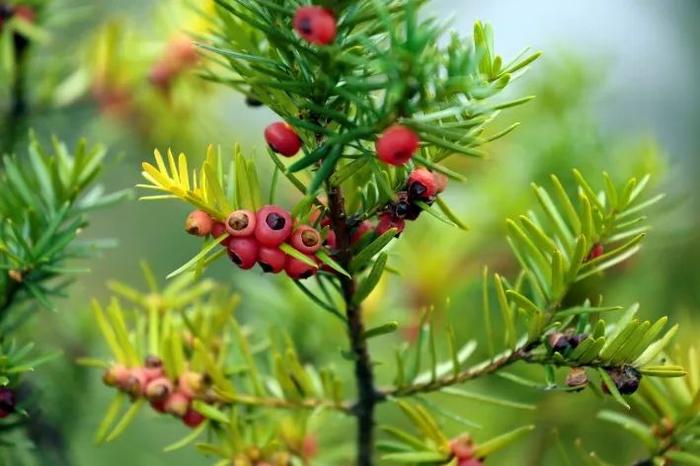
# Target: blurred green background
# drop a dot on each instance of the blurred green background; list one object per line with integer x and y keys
{"x": 616, "y": 90}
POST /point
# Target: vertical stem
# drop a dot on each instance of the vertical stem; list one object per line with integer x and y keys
{"x": 364, "y": 375}
{"x": 16, "y": 117}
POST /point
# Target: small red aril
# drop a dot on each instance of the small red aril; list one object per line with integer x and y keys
{"x": 198, "y": 223}
{"x": 396, "y": 145}
{"x": 388, "y": 221}
{"x": 273, "y": 226}
{"x": 191, "y": 383}
{"x": 298, "y": 270}
{"x": 421, "y": 185}
{"x": 331, "y": 241}
{"x": 243, "y": 251}
{"x": 282, "y": 139}
{"x": 596, "y": 251}
{"x": 271, "y": 260}
{"x": 315, "y": 24}
{"x": 240, "y": 223}
{"x": 192, "y": 418}
{"x": 306, "y": 239}
{"x": 136, "y": 382}
{"x": 116, "y": 376}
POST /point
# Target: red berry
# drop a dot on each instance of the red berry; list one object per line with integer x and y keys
{"x": 462, "y": 447}
{"x": 331, "y": 241}
{"x": 306, "y": 239}
{"x": 421, "y": 185}
{"x": 7, "y": 402}
{"x": 218, "y": 229}
{"x": 177, "y": 404}
{"x": 158, "y": 389}
{"x": 596, "y": 251}
{"x": 298, "y": 270}
{"x": 241, "y": 223}
{"x": 192, "y": 418}
{"x": 315, "y": 24}
{"x": 243, "y": 252}
{"x": 273, "y": 226}
{"x": 388, "y": 221}
{"x": 198, "y": 223}
{"x": 158, "y": 405}
{"x": 361, "y": 230}
{"x": 397, "y": 145}
{"x": 282, "y": 139}
{"x": 271, "y": 260}
{"x": 136, "y": 382}
{"x": 116, "y": 376}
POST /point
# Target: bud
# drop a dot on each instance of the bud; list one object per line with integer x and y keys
{"x": 116, "y": 376}
{"x": 625, "y": 378}
{"x": 153, "y": 367}
{"x": 559, "y": 342}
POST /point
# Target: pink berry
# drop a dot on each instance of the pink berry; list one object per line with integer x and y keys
{"x": 396, "y": 145}
{"x": 243, "y": 252}
{"x": 153, "y": 367}
{"x": 282, "y": 139}
{"x": 116, "y": 376}
{"x": 198, "y": 223}
{"x": 421, "y": 185}
{"x": 306, "y": 239}
{"x": 136, "y": 382}
{"x": 192, "y": 418}
{"x": 388, "y": 221}
{"x": 273, "y": 226}
{"x": 177, "y": 404}
{"x": 158, "y": 389}
{"x": 315, "y": 24}
{"x": 240, "y": 223}
{"x": 298, "y": 270}
{"x": 271, "y": 260}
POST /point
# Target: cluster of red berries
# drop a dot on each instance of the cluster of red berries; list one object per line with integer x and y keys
{"x": 164, "y": 395}
{"x": 255, "y": 238}
{"x": 422, "y": 186}
{"x": 180, "y": 54}
{"x": 7, "y": 402}
{"x": 463, "y": 451}
{"x": 395, "y": 146}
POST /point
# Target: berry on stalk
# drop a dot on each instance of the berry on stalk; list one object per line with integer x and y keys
{"x": 240, "y": 223}
{"x": 271, "y": 260}
{"x": 273, "y": 226}
{"x": 282, "y": 139}
{"x": 315, "y": 24}
{"x": 192, "y": 418}
{"x": 306, "y": 239}
{"x": 243, "y": 252}
{"x": 397, "y": 145}
{"x": 421, "y": 185}
{"x": 198, "y": 223}
{"x": 298, "y": 270}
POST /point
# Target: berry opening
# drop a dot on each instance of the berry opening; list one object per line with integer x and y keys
{"x": 238, "y": 221}
{"x": 275, "y": 221}
{"x": 309, "y": 238}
